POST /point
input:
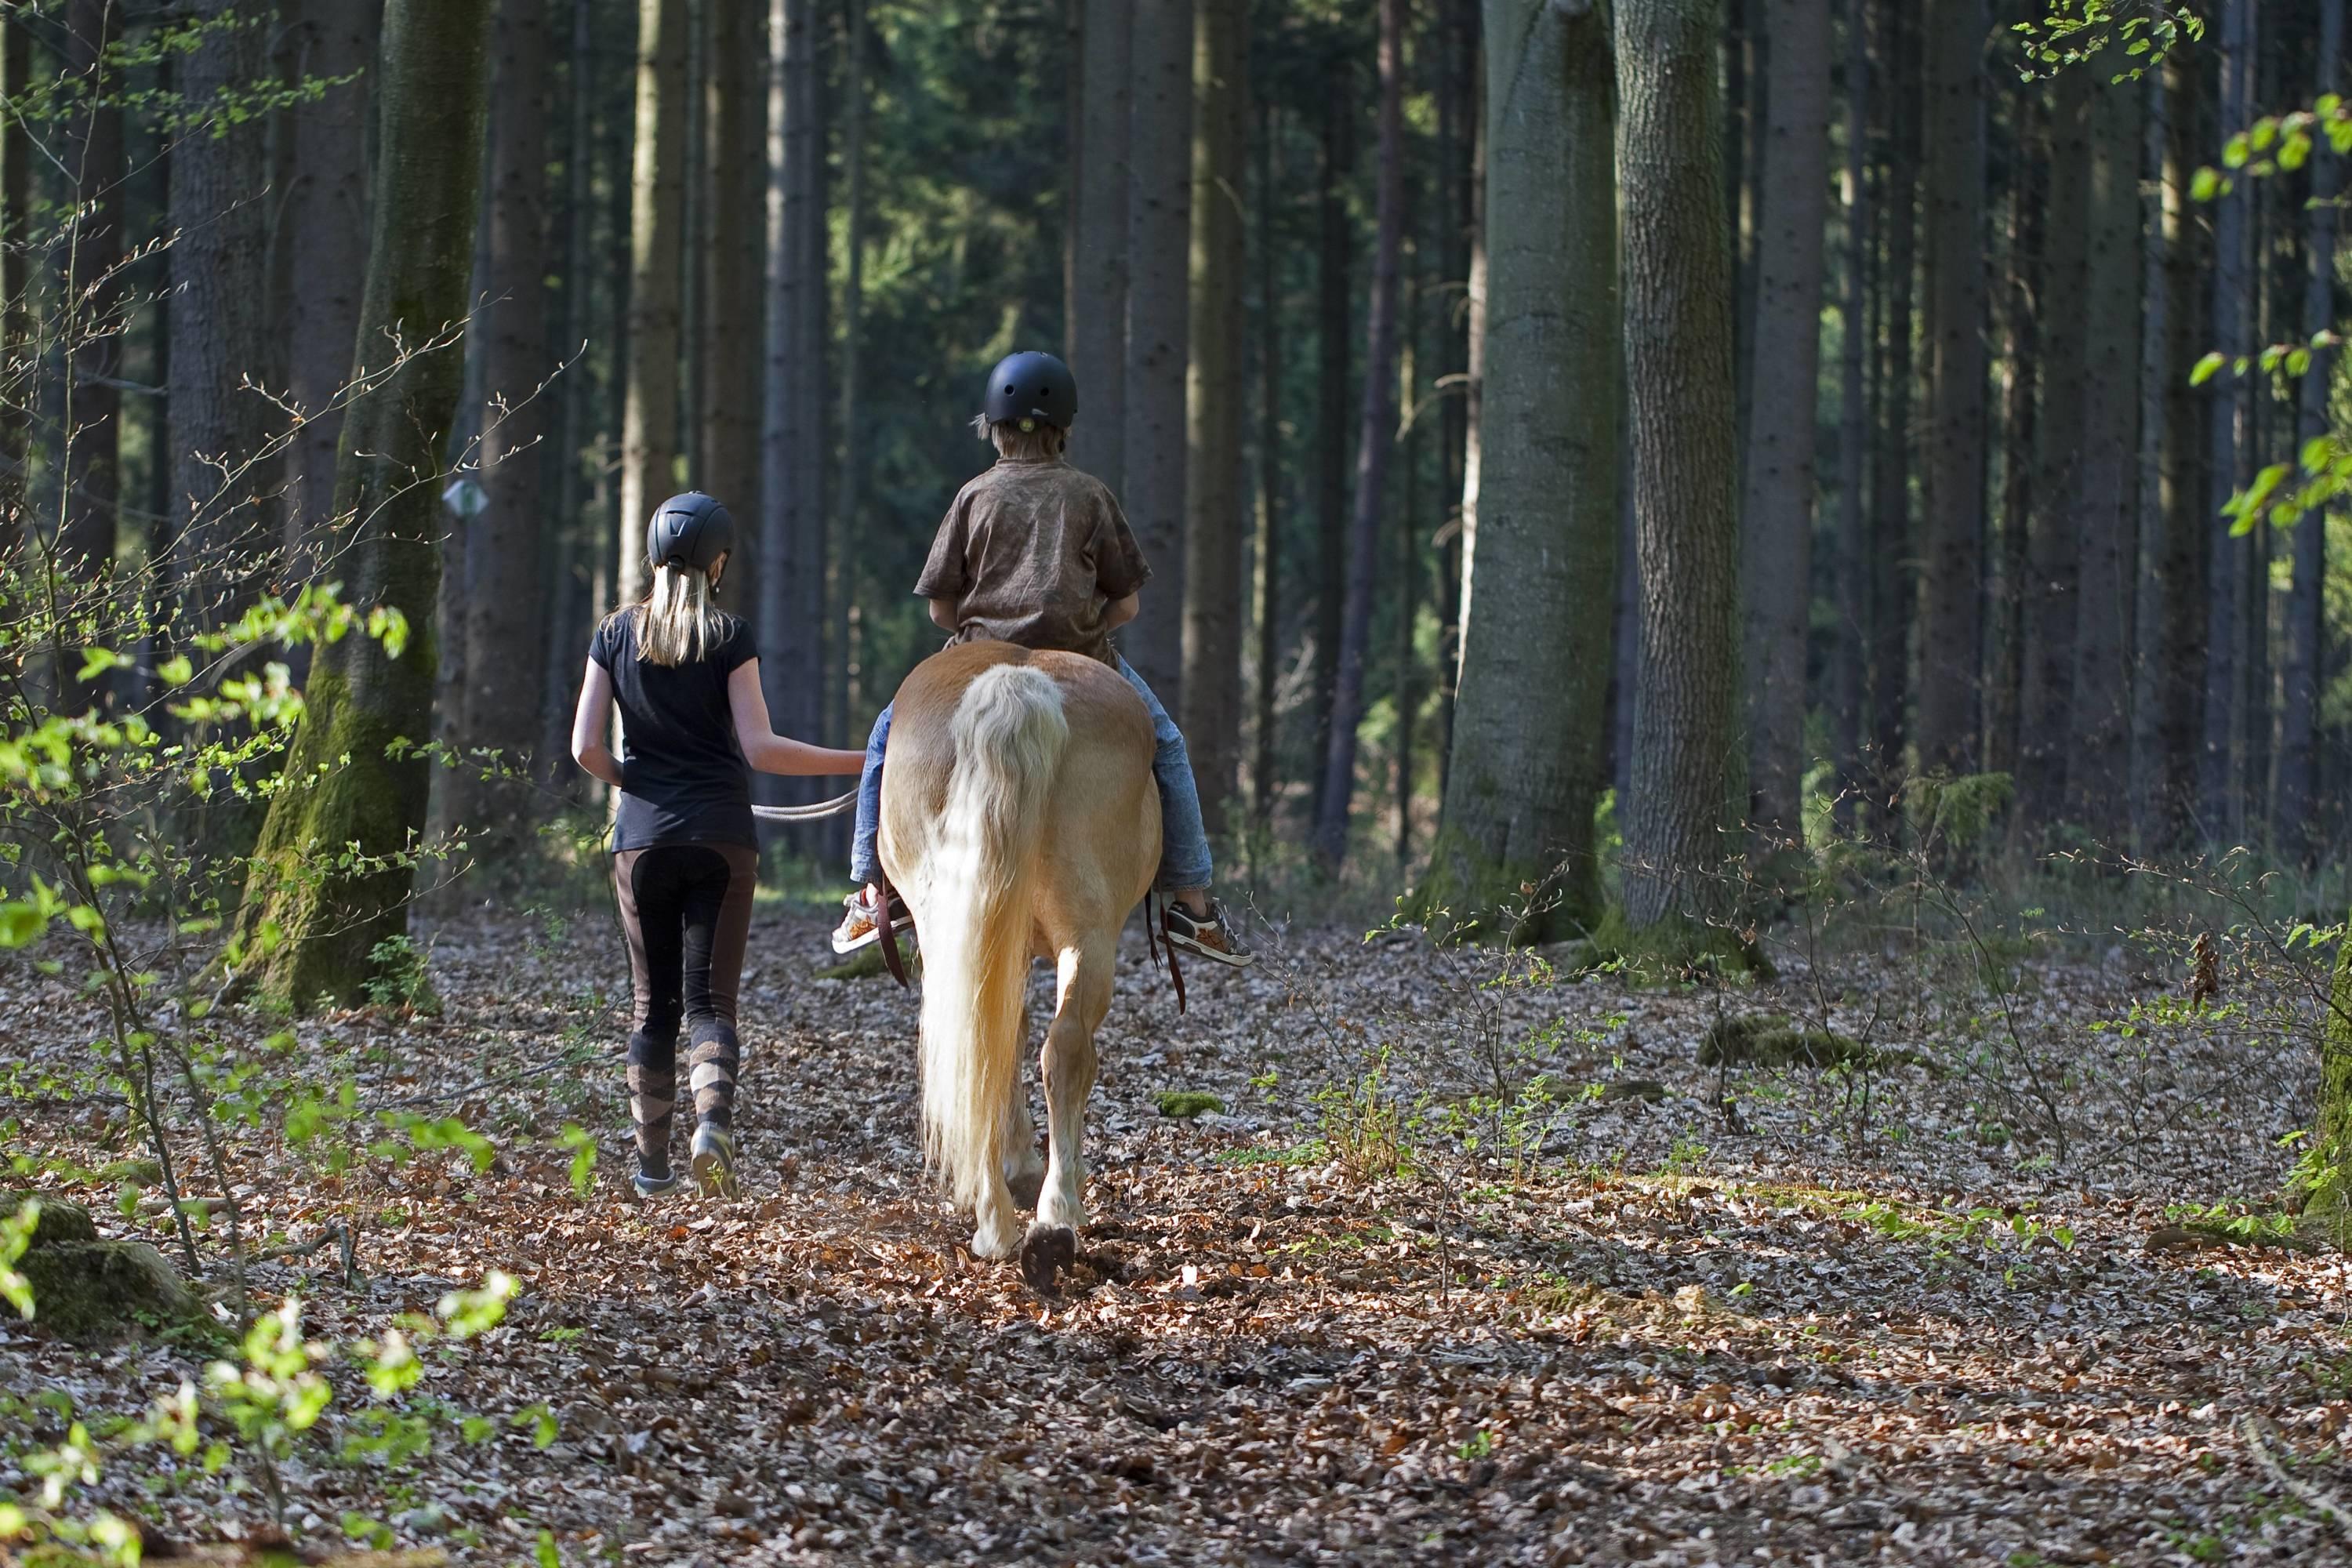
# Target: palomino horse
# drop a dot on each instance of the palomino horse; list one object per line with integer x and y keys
{"x": 1019, "y": 818}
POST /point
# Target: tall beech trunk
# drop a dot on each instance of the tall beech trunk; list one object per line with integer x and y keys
{"x": 1684, "y": 441}
{"x": 2107, "y": 479}
{"x": 1891, "y": 466}
{"x": 16, "y": 317}
{"x": 1375, "y": 436}
{"x": 2020, "y": 307}
{"x": 1266, "y": 611}
{"x": 1333, "y": 287}
{"x": 219, "y": 327}
{"x": 1214, "y": 407}
{"x": 1950, "y": 631}
{"x": 351, "y": 778}
{"x": 506, "y": 595}
{"x": 2307, "y": 626}
{"x": 327, "y": 224}
{"x": 1850, "y": 682}
{"x": 92, "y": 288}
{"x": 2220, "y": 773}
{"x": 1159, "y": 240}
{"x": 656, "y": 212}
{"x": 1094, "y": 335}
{"x": 728, "y": 358}
{"x": 1529, "y": 728}
{"x": 1777, "y": 532}
{"x": 1462, "y": 178}
{"x": 2050, "y": 603}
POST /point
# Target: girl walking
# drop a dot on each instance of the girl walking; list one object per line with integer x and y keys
{"x": 694, "y": 724}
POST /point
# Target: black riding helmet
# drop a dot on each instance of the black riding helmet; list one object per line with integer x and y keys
{"x": 1031, "y": 386}
{"x": 692, "y": 530}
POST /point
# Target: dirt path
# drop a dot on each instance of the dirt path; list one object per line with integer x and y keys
{"x": 1825, "y": 1334}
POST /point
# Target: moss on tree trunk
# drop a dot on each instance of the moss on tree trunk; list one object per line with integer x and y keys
{"x": 328, "y": 881}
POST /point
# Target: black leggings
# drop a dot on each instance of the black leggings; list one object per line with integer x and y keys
{"x": 686, "y": 910}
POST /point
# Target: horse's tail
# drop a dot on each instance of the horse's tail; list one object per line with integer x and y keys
{"x": 1009, "y": 732}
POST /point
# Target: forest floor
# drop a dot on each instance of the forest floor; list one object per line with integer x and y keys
{"x": 1391, "y": 1304}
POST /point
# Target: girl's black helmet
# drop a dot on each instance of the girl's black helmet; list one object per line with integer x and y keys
{"x": 692, "y": 530}
{"x": 1031, "y": 386}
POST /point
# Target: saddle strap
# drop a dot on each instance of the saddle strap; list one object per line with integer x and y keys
{"x": 890, "y": 959}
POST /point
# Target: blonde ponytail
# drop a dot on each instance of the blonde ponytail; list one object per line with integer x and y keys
{"x": 677, "y": 622}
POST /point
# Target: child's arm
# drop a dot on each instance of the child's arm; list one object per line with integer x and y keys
{"x": 591, "y": 721}
{"x": 1119, "y": 612}
{"x": 762, "y": 747}
{"x": 943, "y": 615}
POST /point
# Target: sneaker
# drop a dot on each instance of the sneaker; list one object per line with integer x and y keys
{"x": 654, "y": 1183}
{"x": 714, "y": 1161}
{"x": 860, "y": 928}
{"x": 1209, "y": 937}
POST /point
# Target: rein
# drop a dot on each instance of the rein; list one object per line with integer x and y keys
{"x": 816, "y": 813}
{"x": 1155, "y": 916}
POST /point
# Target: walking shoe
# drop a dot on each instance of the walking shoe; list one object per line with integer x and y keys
{"x": 861, "y": 928}
{"x": 714, "y": 1161}
{"x": 1209, "y": 937}
{"x": 654, "y": 1183}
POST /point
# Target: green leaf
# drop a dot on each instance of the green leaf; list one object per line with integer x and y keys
{"x": 2204, "y": 185}
{"x": 2206, "y": 369}
{"x": 175, "y": 670}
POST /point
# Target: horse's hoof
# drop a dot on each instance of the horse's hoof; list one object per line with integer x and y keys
{"x": 1025, "y": 1186}
{"x": 1044, "y": 1253}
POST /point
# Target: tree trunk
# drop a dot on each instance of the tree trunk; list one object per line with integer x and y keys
{"x": 506, "y": 594}
{"x": 1530, "y": 736}
{"x": 656, "y": 204}
{"x": 219, "y": 327}
{"x": 1892, "y": 540}
{"x": 1159, "y": 235}
{"x": 1267, "y": 619}
{"x": 2050, "y": 603}
{"x": 327, "y": 220}
{"x": 1461, "y": 136}
{"x": 92, "y": 288}
{"x": 1213, "y": 406}
{"x": 1096, "y": 330}
{"x": 16, "y": 317}
{"x": 344, "y": 783}
{"x": 2306, "y": 625}
{"x": 578, "y": 543}
{"x": 1950, "y": 648}
{"x": 2328, "y": 1206}
{"x": 1851, "y": 685}
{"x": 1332, "y": 289}
{"x": 2220, "y": 773}
{"x": 1375, "y": 435}
{"x": 2023, "y": 288}
{"x": 2107, "y": 497}
{"x": 728, "y": 357}
{"x": 1777, "y": 529}
{"x": 1682, "y": 424}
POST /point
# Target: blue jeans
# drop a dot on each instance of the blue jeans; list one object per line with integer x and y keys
{"x": 1183, "y": 842}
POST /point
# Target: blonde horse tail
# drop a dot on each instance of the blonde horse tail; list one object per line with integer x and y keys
{"x": 1009, "y": 732}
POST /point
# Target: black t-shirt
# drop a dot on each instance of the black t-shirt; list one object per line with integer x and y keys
{"x": 683, "y": 777}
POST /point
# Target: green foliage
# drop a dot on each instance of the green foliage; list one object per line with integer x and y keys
{"x": 402, "y": 977}
{"x": 1365, "y": 1128}
{"x": 2075, "y": 32}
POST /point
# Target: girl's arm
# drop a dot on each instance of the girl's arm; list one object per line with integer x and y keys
{"x": 591, "y": 721}
{"x": 1119, "y": 612}
{"x": 762, "y": 747}
{"x": 943, "y": 614}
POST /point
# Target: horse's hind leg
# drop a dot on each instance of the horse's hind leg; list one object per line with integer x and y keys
{"x": 1068, "y": 1070}
{"x": 1025, "y": 1172}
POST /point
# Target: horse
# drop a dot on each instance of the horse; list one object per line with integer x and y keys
{"x": 1019, "y": 819}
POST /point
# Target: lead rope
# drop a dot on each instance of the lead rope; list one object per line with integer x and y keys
{"x": 1155, "y": 912}
{"x": 890, "y": 958}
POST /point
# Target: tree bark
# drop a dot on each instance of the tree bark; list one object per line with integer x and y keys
{"x": 1095, "y": 331}
{"x": 2022, "y": 290}
{"x": 1159, "y": 235}
{"x": 1682, "y": 424}
{"x": 1893, "y": 550}
{"x": 327, "y": 220}
{"x": 347, "y": 780}
{"x": 2307, "y": 623}
{"x": 657, "y": 210}
{"x": 219, "y": 330}
{"x": 728, "y": 357}
{"x": 16, "y": 316}
{"x": 1950, "y": 632}
{"x": 1460, "y": 137}
{"x": 1850, "y": 686}
{"x": 2107, "y": 494}
{"x": 1529, "y": 732}
{"x": 1266, "y": 611}
{"x": 506, "y": 594}
{"x": 1213, "y": 406}
{"x": 1375, "y": 436}
{"x": 2220, "y": 773}
{"x": 1777, "y": 528}
{"x": 92, "y": 288}
{"x": 2050, "y": 603}
{"x": 1333, "y": 289}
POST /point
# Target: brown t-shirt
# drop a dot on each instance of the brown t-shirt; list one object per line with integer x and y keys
{"x": 1031, "y": 552}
